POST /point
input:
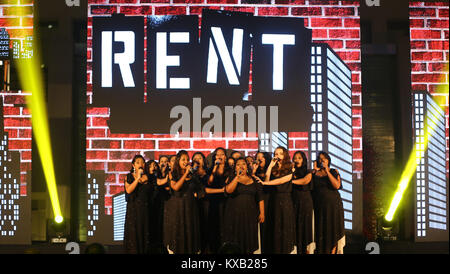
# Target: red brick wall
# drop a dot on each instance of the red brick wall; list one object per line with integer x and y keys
{"x": 333, "y": 22}
{"x": 429, "y": 52}
{"x": 17, "y": 119}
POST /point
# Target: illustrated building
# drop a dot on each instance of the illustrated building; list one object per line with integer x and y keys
{"x": 99, "y": 225}
{"x": 11, "y": 204}
{"x": 331, "y": 129}
{"x": 431, "y": 184}
{"x": 119, "y": 212}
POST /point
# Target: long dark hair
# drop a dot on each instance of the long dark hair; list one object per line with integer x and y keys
{"x": 301, "y": 171}
{"x": 267, "y": 158}
{"x": 147, "y": 167}
{"x": 227, "y": 167}
{"x": 286, "y": 164}
{"x": 137, "y": 156}
{"x": 205, "y": 164}
{"x": 177, "y": 172}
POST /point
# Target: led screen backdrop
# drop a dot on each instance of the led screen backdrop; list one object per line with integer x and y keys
{"x": 326, "y": 85}
{"x": 16, "y": 36}
{"x": 429, "y": 75}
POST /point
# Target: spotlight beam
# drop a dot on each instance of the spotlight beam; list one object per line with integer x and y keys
{"x": 31, "y": 80}
{"x": 411, "y": 165}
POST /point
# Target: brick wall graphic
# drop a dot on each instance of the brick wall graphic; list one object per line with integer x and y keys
{"x": 15, "y": 129}
{"x": 429, "y": 54}
{"x": 16, "y": 116}
{"x": 333, "y": 22}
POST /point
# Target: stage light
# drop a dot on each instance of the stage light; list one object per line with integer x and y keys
{"x": 416, "y": 155}
{"x": 29, "y": 72}
{"x": 59, "y": 219}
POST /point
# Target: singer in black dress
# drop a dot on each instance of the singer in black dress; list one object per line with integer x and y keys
{"x": 181, "y": 218}
{"x": 199, "y": 163}
{"x": 244, "y": 209}
{"x": 281, "y": 208}
{"x": 303, "y": 203}
{"x": 218, "y": 174}
{"x": 328, "y": 207}
{"x": 160, "y": 195}
{"x": 260, "y": 166}
{"x": 138, "y": 194}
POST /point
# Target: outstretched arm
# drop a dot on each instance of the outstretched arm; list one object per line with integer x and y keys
{"x": 303, "y": 181}
{"x": 278, "y": 181}
{"x": 210, "y": 190}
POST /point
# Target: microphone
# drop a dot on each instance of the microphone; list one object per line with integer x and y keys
{"x": 193, "y": 169}
{"x": 217, "y": 163}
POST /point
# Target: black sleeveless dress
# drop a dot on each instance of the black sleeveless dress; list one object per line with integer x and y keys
{"x": 159, "y": 197}
{"x": 266, "y": 228}
{"x": 303, "y": 208}
{"x": 216, "y": 212}
{"x": 203, "y": 207}
{"x": 282, "y": 218}
{"x": 241, "y": 217}
{"x": 328, "y": 213}
{"x": 137, "y": 219}
{"x": 181, "y": 219}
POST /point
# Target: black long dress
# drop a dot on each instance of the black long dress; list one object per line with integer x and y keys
{"x": 328, "y": 213}
{"x": 181, "y": 219}
{"x": 303, "y": 208}
{"x": 216, "y": 212}
{"x": 266, "y": 228}
{"x": 282, "y": 220}
{"x": 241, "y": 217}
{"x": 159, "y": 197}
{"x": 203, "y": 207}
{"x": 137, "y": 223}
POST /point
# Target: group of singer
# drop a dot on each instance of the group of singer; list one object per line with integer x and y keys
{"x": 262, "y": 204}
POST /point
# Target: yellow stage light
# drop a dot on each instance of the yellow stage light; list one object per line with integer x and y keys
{"x": 417, "y": 154}
{"x": 29, "y": 72}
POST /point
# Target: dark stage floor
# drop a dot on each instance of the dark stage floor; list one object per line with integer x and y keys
{"x": 397, "y": 247}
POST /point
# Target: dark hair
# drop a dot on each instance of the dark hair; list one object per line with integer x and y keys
{"x": 267, "y": 158}
{"x": 235, "y": 151}
{"x": 137, "y": 156}
{"x": 213, "y": 157}
{"x": 303, "y": 169}
{"x": 249, "y": 171}
{"x": 286, "y": 164}
{"x": 205, "y": 164}
{"x": 232, "y": 159}
{"x": 147, "y": 167}
{"x": 162, "y": 156}
{"x": 325, "y": 155}
{"x": 176, "y": 173}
